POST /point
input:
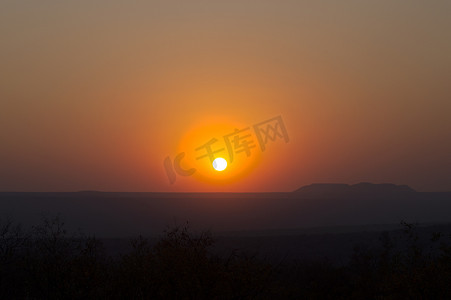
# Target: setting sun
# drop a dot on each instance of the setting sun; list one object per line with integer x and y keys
{"x": 219, "y": 164}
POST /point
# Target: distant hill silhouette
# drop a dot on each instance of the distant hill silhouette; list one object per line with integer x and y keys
{"x": 316, "y": 205}
{"x": 318, "y": 190}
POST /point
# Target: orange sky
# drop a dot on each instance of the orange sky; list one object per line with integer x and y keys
{"x": 94, "y": 95}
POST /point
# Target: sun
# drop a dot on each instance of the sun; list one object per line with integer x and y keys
{"x": 219, "y": 164}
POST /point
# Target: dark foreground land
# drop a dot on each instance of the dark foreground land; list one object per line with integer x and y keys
{"x": 236, "y": 245}
{"x": 47, "y": 262}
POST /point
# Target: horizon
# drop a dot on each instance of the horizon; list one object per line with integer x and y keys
{"x": 231, "y": 192}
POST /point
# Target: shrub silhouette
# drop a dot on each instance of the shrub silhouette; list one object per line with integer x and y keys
{"x": 13, "y": 241}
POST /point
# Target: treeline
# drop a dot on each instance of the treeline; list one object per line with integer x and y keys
{"x": 49, "y": 263}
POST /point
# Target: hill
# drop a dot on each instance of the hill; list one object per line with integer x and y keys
{"x": 109, "y": 214}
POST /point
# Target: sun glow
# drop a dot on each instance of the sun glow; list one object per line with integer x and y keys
{"x": 230, "y": 168}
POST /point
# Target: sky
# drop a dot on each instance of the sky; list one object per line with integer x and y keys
{"x": 95, "y": 95}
